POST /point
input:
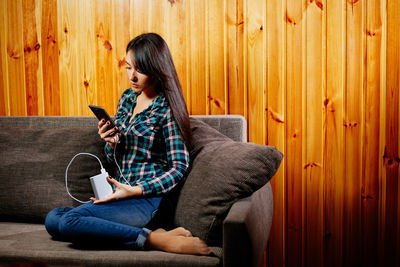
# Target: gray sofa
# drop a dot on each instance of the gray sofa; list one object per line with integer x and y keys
{"x": 34, "y": 154}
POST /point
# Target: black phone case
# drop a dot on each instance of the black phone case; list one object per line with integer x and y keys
{"x": 101, "y": 113}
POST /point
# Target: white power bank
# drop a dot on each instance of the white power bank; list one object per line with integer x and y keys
{"x": 100, "y": 185}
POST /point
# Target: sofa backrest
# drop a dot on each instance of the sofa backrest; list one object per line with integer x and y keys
{"x": 233, "y": 126}
{"x": 35, "y": 152}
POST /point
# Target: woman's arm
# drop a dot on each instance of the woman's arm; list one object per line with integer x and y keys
{"x": 178, "y": 160}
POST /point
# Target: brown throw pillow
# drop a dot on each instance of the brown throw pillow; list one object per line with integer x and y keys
{"x": 222, "y": 172}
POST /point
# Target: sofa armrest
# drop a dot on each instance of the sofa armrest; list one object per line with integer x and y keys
{"x": 246, "y": 229}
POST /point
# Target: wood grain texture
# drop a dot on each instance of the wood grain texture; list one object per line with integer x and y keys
{"x": 370, "y": 175}
{"x": 15, "y": 58}
{"x": 274, "y": 111}
{"x": 120, "y": 37}
{"x": 353, "y": 125}
{"x": 216, "y": 56}
{"x": 198, "y": 58}
{"x": 295, "y": 242}
{"x": 333, "y": 106}
{"x": 313, "y": 139}
{"x": 391, "y": 152}
{"x": 318, "y": 79}
{"x": 4, "y": 96}
{"x": 50, "y": 56}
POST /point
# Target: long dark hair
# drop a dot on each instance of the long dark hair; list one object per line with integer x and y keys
{"x": 153, "y": 58}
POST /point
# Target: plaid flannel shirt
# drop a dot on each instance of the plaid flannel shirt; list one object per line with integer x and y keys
{"x": 151, "y": 152}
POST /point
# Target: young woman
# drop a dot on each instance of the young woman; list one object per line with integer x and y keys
{"x": 151, "y": 148}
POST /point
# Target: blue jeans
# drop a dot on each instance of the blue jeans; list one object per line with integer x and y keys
{"x": 120, "y": 222}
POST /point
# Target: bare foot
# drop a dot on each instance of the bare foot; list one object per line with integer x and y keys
{"x": 179, "y": 231}
{"x": 174, "y": 241}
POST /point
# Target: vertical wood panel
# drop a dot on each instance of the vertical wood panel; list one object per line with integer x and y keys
{"x": 31, "y": 56}
{"x": 391, "y": 156}
{"x": 370, "y": 188}
{"x": 235, "y": 60}
{"x": 334, "y": 134}
{"x": 104, "y": 71}
{"x": 198, "y": 58}
{"x": 293, "y": 156}
{"x": 216, "y": 58}
{"x": 86, "y": 68}
{"x": 178, "y": 41}
{"x": 67, "y": 36}
{"x": 120, "y": 38}
{"x": 50, "y": 53}
{"x": 313, "y": 133}
{"x": 275, "y": 114}
{"x": 353, "y": 125}
{"x": 4, "y": 96}
{"x": 256, "y": 74}
{"x": 139, "y": 22}
{"x": 15, "y": 58}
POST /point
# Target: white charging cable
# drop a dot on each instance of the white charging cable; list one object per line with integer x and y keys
{"x": 102, "y": 171}
{"x": 66, "y": 173}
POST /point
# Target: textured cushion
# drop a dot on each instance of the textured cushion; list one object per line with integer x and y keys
{"x": 21, "y": 242}
{"x": 33, "y": 168}
{"x": 223, "y": 171}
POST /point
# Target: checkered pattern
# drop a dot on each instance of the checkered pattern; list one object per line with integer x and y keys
{"x": 151, "y": 152}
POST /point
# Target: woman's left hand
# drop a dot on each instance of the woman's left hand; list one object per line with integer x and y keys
{"x": 121, "y": 191}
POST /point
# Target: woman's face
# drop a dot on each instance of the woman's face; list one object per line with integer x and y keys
{"x": 138, "y": 81}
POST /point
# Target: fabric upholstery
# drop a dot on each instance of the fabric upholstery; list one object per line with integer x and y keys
{"x": 248, "y": 223}
{"x": 33, "y": 169}
{"x": 28, "y": 242}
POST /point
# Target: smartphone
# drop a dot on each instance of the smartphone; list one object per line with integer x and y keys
{"x": 101, "y": 113}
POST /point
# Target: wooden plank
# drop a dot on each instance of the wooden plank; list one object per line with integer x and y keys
{"x": 198, "y": 58}
{"x": 50, "y": 55}
{"x": 293, "y": 154}
{"x": 370, "y": 173}
{"x": 158, "y": 19}
{"x": 274, "y": 114}
{"x": 105, "y": 89}
{"x": 86, "y": 59}
{"x": 256, "y": 55}
{"x": 391, "y": 156}
{"x": 334, "y": 133}
{"x": 178, "y": 40}
{"x": 31, "y": 56}
{"x": 15, "y": 58}
{"x": 313, "y": 139}
{"x": 120, "y": 38}
{"x": 40, "y": 89}
{"x": 216, "y": 56}
{"x": 353, "y": 125}
{"x": 235, "y": 57}
{"x": 4, "y": 94}
{"x": 67, "y": 35}
{"x": 139, "y": 22}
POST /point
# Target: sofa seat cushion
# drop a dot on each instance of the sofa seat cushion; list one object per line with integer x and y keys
{"x": 21, "y": 242}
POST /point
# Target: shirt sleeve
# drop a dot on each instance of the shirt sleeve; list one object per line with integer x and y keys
{"x": 178, "y": 160}
{"x": 121, "y": 111}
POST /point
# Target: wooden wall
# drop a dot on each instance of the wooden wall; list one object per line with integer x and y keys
{"x": 318, "y": 79}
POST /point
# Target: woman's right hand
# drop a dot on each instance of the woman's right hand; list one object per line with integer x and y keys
{"x": 107, "y": 135}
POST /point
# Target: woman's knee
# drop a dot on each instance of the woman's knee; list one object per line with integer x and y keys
{"x": 68, "y": 223}
{"x": 53, "y": 219}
